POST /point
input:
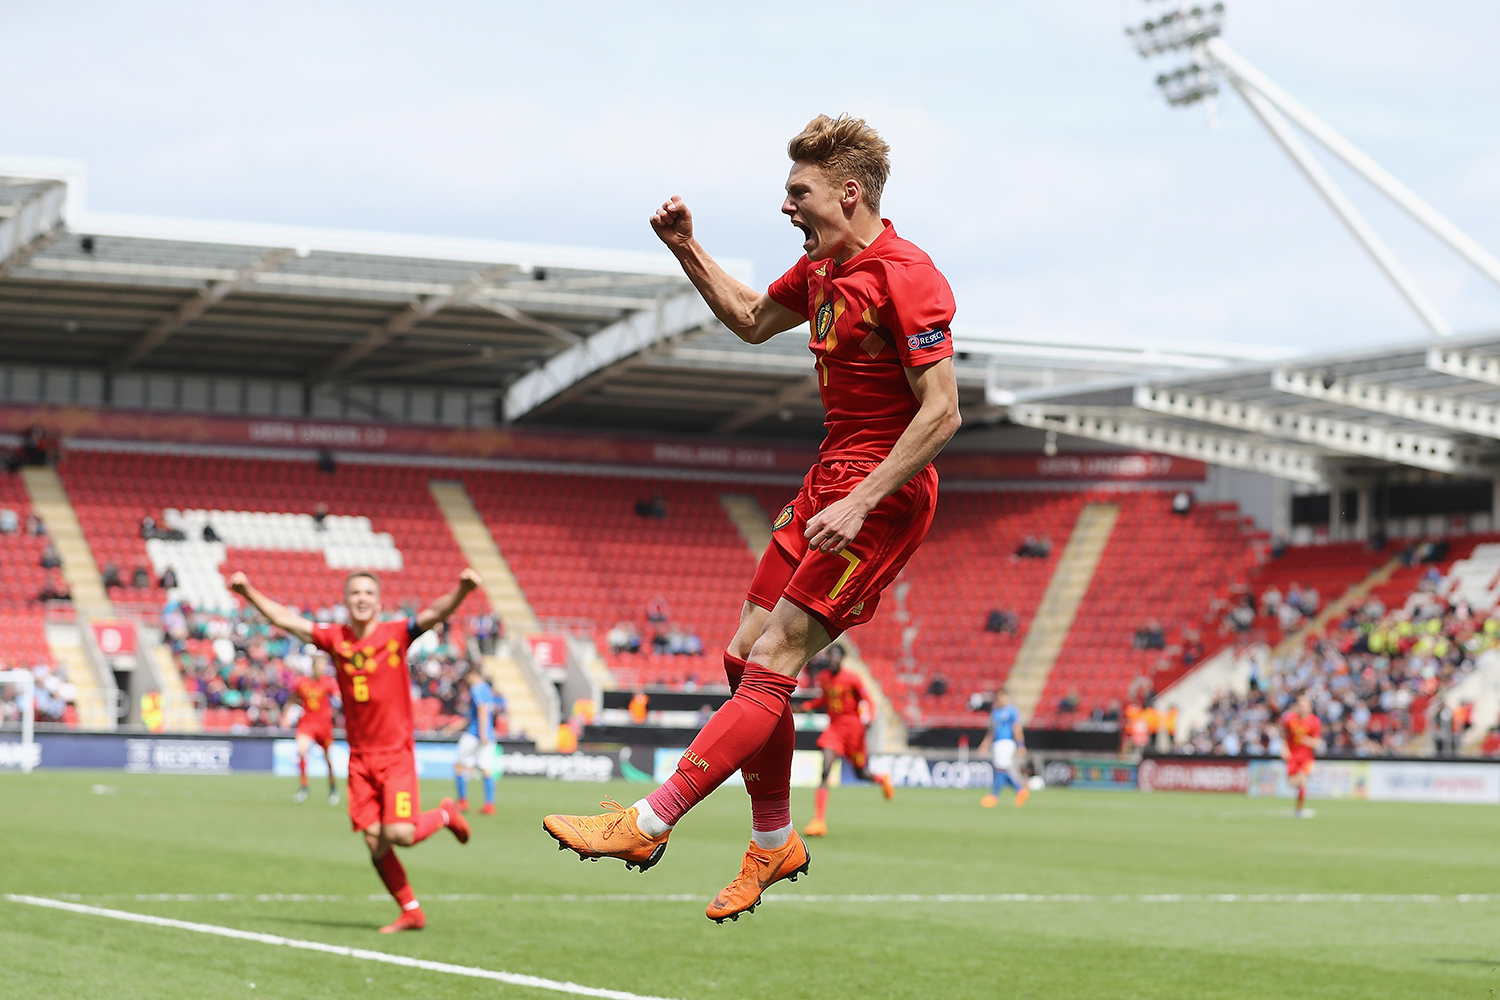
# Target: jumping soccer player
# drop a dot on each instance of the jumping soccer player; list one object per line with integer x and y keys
{"x": 845, "y": 700}
{"x": 879, "y": 315}
{"x": 479, "y": 734}
{"x": 1301, "y": 732}
{"x": 369, "y": 658}
{"x": 1005, "y": 737}
{"x": 315, "y": 695}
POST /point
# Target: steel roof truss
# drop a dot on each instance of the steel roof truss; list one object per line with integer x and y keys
{"x": 1453, "y": 413}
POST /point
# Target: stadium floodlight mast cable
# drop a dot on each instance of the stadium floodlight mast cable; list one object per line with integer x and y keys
{"x": 27, "y": 684}
{"x": 1199, "y": 29}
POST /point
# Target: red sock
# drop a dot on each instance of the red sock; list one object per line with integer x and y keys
{"x": 430, "y": 822}
{"x": 394, "y": 877}
{"x": 768, "y": 777}
{"x": 1301, "y": 796}
{"x": 738, "y": 730}
{"x": 734, "y": 669}
{"x": 820, "y": 802}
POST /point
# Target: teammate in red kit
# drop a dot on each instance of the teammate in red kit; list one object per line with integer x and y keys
{"x": 846, "y": 702}
{"x": 315, "y": 695}
{"x": 369, "y": 659}
{"x": 1301, "y": 733}
{"x": 879, "y": 315}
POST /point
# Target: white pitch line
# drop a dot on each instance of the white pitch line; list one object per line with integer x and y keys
{"x": 880, "y": 898}
{"x": 511, "y": 978}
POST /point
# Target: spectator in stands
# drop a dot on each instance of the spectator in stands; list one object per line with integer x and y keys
{"x": 112, "y": 575}
{"x": 1069, "y": 703}
{"x": 50, "y": 558}
{"x": 55, "y": 589}
{"x": 1192, "y": 647}
{"x": 320, "y": 515}
{"x": 148, "y": 527}
{"x": 1150, "y": 636}
{"x": 624, "y": 638}
{"x": 1270, "y": 600}
{"x": 657, "y": 611}
{"x": 169, "y": 579}
{"x": 938, "y": 685}
{"x": 35, "y": 525}
{"x": 661, "y": 642}
{"x": 1034, "y": 548}
{"x": 139, "y": 578}
{"x": 655, "y": 508}
{"x": 1002, "y": 620}
{"x": 1182, "y": 502}
{"x": 209, "y": 534}
{"x": 637, "y": 708}
{"x": 10, "y": 521}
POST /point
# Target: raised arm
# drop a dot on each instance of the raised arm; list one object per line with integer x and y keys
{"x": 440, "y": 609}
{"x": 753, "y": 316}
{"x": 277, "y": 614}
{"x": 937, "y": 420}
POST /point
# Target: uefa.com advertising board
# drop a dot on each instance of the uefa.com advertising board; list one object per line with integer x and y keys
{"x": 1456, "y": 781}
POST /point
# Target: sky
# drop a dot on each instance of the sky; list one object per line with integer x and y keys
{"x": 1032, "y": 157}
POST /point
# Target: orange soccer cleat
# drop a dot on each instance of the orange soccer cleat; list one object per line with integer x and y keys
{"x": 610, "y": 835}
{"x": 488, "y": 809}
{"x": 463, "y": 805}
{"x": 410, "y": 920}
{"x": 884, "y": 781}
{"x": 456, "y": 821}
{"x": 1022, "y": 794}
{"x": 760, "y": 870}
{"x": 817, "y": 828}
{"x": 990, "y": 801}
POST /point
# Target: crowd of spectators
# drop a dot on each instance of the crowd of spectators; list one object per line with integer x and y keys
{"x": 240, "y": 663}
{"x": 54, "y": 697}
{"x": 667, "y": 637}
{"x": 1371, "y": 679}
{"x": 1032, "y": 547}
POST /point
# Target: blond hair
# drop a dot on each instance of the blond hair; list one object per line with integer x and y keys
{"x": 844, "y": 148}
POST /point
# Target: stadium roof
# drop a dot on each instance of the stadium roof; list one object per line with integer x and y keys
{"x": 1432, "y": 405}
{"x": 557, "y": 335}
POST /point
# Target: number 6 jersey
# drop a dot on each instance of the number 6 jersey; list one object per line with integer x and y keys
{"x": 373, "y": 681}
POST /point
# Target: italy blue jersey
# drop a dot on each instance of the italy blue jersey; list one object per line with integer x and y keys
{"x": 1005, "y": 720}
{"x": 481, "y": 694}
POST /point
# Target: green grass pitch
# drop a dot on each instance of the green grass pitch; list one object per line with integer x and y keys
{"x": 242, "y": 835}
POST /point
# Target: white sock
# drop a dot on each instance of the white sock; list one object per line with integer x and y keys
{"x": 770, "y": 840}
{"x": 648, "y": 822}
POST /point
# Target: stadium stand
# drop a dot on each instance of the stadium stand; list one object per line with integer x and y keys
{"x": 594, "y": 551}
{"x": 966, "y": 569}
{"x": 22, "y": 619}
{"x": 1327, "y": 571}
{"x": 1160, "y": 568}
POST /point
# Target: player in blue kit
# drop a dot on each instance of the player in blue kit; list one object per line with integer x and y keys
{"x": 479, "y": 735}
{"x": 1005, "y": 738}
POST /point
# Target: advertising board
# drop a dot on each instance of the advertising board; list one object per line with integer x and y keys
{"x": 1438, "y": 781}
{"x": 1331, "y": 779}
{"x": 1082, "y": 772}
{"x": 1193, "y": 774}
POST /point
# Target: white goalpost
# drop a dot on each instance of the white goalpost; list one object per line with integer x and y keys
{"x": 26, "y": 749}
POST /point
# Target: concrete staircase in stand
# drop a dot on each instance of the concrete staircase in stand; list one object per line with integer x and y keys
{"x": 524, "y": 710}
{"x": 1059, "y": 606}
{"x": 94, "y": 704}
{"x": 889, "y": 732}
{"x": 50, "y": 502}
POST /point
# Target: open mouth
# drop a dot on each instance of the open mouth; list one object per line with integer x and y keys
{"x": 807, "y": 235}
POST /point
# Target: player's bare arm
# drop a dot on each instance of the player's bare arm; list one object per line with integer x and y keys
{"x": 936, "y": 421}
{"x": 753, "y": 316}
{"x": 277, "y": 614}
{"x": 441, "y": 609}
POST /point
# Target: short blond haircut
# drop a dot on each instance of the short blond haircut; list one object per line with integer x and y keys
{"x": 844, "y": 148}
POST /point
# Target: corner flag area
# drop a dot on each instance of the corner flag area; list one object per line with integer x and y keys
{"x": 168, "y": 886}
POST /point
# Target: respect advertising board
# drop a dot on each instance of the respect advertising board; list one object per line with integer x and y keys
{"x": 1194, "y": 774}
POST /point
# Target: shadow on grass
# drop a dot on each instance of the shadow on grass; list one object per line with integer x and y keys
{"x": 1493, "y": 962}
{"x": 355, "y": 924}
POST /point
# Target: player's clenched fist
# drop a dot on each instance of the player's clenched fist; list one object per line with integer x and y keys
{"x": 240, "y": 584}
{"x": 469, "y": 579}
{"x": 673, "y": 222}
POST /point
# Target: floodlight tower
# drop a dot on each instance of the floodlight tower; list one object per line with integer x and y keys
{"x": 1173, "y": 26}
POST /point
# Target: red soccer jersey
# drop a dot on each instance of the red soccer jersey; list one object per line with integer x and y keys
{"x": 373, "y": 682}
{"x": 842, "y": 693}
{"x": 884, "y": 309}
{"x": 1301, "y": 732}
{"x": 316, "y": 695}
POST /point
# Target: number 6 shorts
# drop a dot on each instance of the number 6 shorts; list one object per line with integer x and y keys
{"x": 842, "y": 589}
{"x": 383, "y": 788}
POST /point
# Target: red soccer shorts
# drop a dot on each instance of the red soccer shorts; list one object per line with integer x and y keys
{"x": 848, "y": 741}
{"x": 321, "y": 735}
{"x": 843, "y": 589}
{"x": 382, "y": 788}
{"x": 1300, "y": 762}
